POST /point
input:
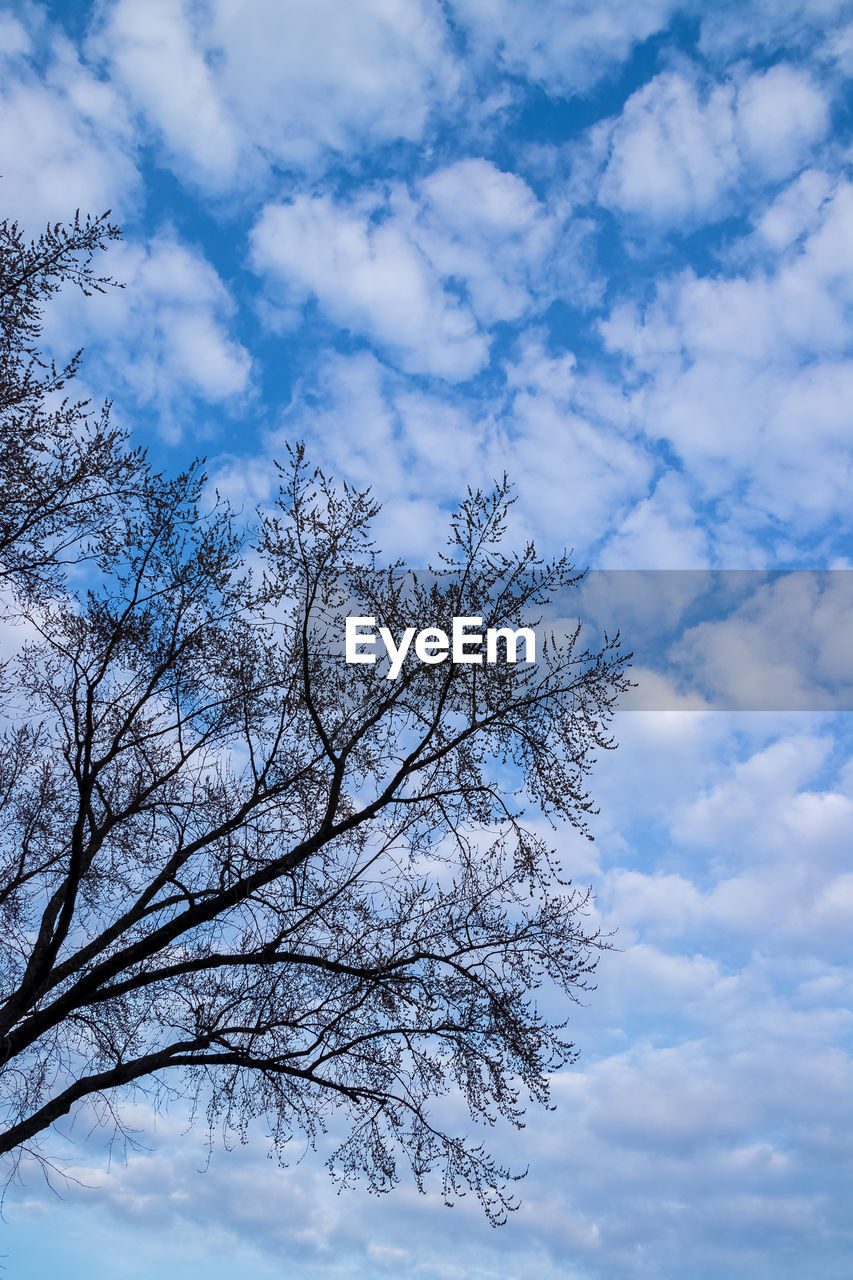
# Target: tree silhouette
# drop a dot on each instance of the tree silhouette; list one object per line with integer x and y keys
{"x": 235, "y": 867}
{"x": 64, "y": 469}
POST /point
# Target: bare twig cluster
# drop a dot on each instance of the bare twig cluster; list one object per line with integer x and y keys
{"x": 235, "y": 866}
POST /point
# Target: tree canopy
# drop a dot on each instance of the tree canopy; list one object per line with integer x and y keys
{"x": 234, "y": 867}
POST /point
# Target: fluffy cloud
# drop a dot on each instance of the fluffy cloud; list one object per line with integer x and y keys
{"x": 759, "y": 802}
{"x": 781, "y": 114}
{"x": 671, "y": 154}
{"x": 796, "y": 211}
{"x": 281, "y": 82}
{"x": 370, "y": 278}
{"x": 365, "y": 425}
{"x": 14, "y": 38}
{"x": 66, "y": 140}
{"x": 663, "y": 531}
{"x": 574, "y": 461}
{"x": 486, "y": 228}
{"x": 154, "y": 54}
{"x": 164, "y": 339}
{"x": 736, "y": 371}
{"x": 750, "y": 858}
{"x": 676, "y": 152}
{"x": 577, "y": 462}
{"x": 565, "y": 45}
{"x": 423, "y": 274}
{"x": 786, "y": 646}
{"x": 838, "y": 48}
{"x": 731, "y": 29}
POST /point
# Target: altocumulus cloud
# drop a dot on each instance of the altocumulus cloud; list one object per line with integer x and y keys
{"x": 606, "y": 247}
{"x": 173, "y": 318}
{"x": 384, "y": 264}
{"x": 226, "y": 87}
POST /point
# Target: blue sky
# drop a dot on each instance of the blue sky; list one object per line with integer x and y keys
{"x": 607, "y": 247}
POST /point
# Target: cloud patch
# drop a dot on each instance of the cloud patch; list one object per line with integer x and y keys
{"x": 163, "y": 341}
{"x": 66, "y": 140}
{"x": 678, "y": 150}
{"x": 232, "y": 89}
{"x": 423, "y": 274}
{"x": 564, "y": 45}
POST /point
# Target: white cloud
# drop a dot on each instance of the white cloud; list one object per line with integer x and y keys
{"x": 796, "y": 211}
{"x": 479, "y": 225}
{"x": 365, "y": 425}
{"x": 755, "y": 798}
{"x": 65, "y": 137}
{"x": 14, "y": 38}
{"x": 565, "y": 45}
{"x": 730, "y": 30}
{"x": 662, "y": 531}
{"x": 755, "y": 854}
{"x": 369, "y": 277}
{"x": 786, "y": 646}
{"x": 781, "y": 113}
{"x": 577, "y": 463}
{"x": 666, "y": 1100}
{"x": 672, "y": 155}
{"x": 677, "y": 152}
{"x": 162, "y": 339}
{"x": 155, "y": 57}
{"x": 838, "y": 48}
{"x": 736, "y": 371}
{"x": 423, "y": 274}
{"x": 572, "y": 464}
{"x": 230, "y": 86}
{"x": 663, "y": 903}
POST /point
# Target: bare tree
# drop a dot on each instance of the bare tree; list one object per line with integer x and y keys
{"x": 236, "y": 868}
{"x": 63, "y": 466}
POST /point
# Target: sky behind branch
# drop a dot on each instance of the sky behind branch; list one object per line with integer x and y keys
{"x": 606, "y": 247}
